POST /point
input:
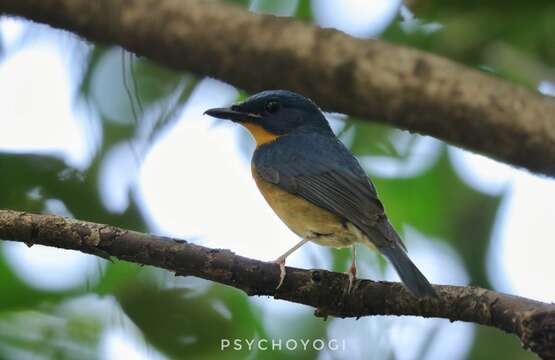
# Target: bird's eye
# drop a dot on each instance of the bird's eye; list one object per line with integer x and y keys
{"x": 272, "y": 106}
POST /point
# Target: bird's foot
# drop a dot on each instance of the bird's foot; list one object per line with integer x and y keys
{"x": 352, "y": 272}
{"x": 281, "y": 262}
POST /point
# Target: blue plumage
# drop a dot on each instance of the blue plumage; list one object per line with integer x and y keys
{"x": 304, "y": 163}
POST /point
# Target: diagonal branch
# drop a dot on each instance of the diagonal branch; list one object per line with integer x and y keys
{"x": 370, "y": 79}
{"x": 532, "y": 321}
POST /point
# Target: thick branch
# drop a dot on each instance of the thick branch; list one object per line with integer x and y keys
{"x": 532, "y": 321}
{"x": 367, "y": 78}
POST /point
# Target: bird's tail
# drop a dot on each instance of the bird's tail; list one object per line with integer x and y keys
{"x": 413, "y": 279}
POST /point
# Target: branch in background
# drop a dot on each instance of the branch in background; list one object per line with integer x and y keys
{"x": 370, "y": 79}
{"x": 532, "y": 321}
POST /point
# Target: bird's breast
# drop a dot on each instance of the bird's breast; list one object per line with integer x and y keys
{"x": 304, "y": 218}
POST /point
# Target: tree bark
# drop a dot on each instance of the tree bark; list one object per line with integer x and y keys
{"x": 532, "y": 321}
{"x": 370, "y": 79}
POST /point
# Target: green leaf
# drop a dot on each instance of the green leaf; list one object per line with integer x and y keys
{"x": 184, "y": 325}
{"x": 36, "y": 333}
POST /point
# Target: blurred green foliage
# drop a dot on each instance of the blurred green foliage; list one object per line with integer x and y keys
{"x": 512, "y": 39}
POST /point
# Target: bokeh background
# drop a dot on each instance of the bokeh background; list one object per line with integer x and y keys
{"x": 99, "y": 134}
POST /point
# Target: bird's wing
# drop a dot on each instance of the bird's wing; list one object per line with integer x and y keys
{"x": 321, "y": 170}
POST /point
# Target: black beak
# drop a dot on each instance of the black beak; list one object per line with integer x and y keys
{"x": 231, "y": 114}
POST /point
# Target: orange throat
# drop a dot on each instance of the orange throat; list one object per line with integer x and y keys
{"x": 260, "y": 135}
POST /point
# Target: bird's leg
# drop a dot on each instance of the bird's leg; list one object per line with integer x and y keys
{"x": 281, "y": 260}
{"x": 352, "y": 272}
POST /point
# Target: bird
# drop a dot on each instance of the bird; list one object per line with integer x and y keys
{"x": 315, "y": 184}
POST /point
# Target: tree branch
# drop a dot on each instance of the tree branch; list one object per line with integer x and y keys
{"x": 366, "y": 78}
{"x": 532, "y": 321}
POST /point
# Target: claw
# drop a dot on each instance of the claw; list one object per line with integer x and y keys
{"x": 352, "y": 272}
{"x": 281, "y": 262}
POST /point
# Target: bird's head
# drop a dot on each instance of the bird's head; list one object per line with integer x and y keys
{"x": 274, "y": 113}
